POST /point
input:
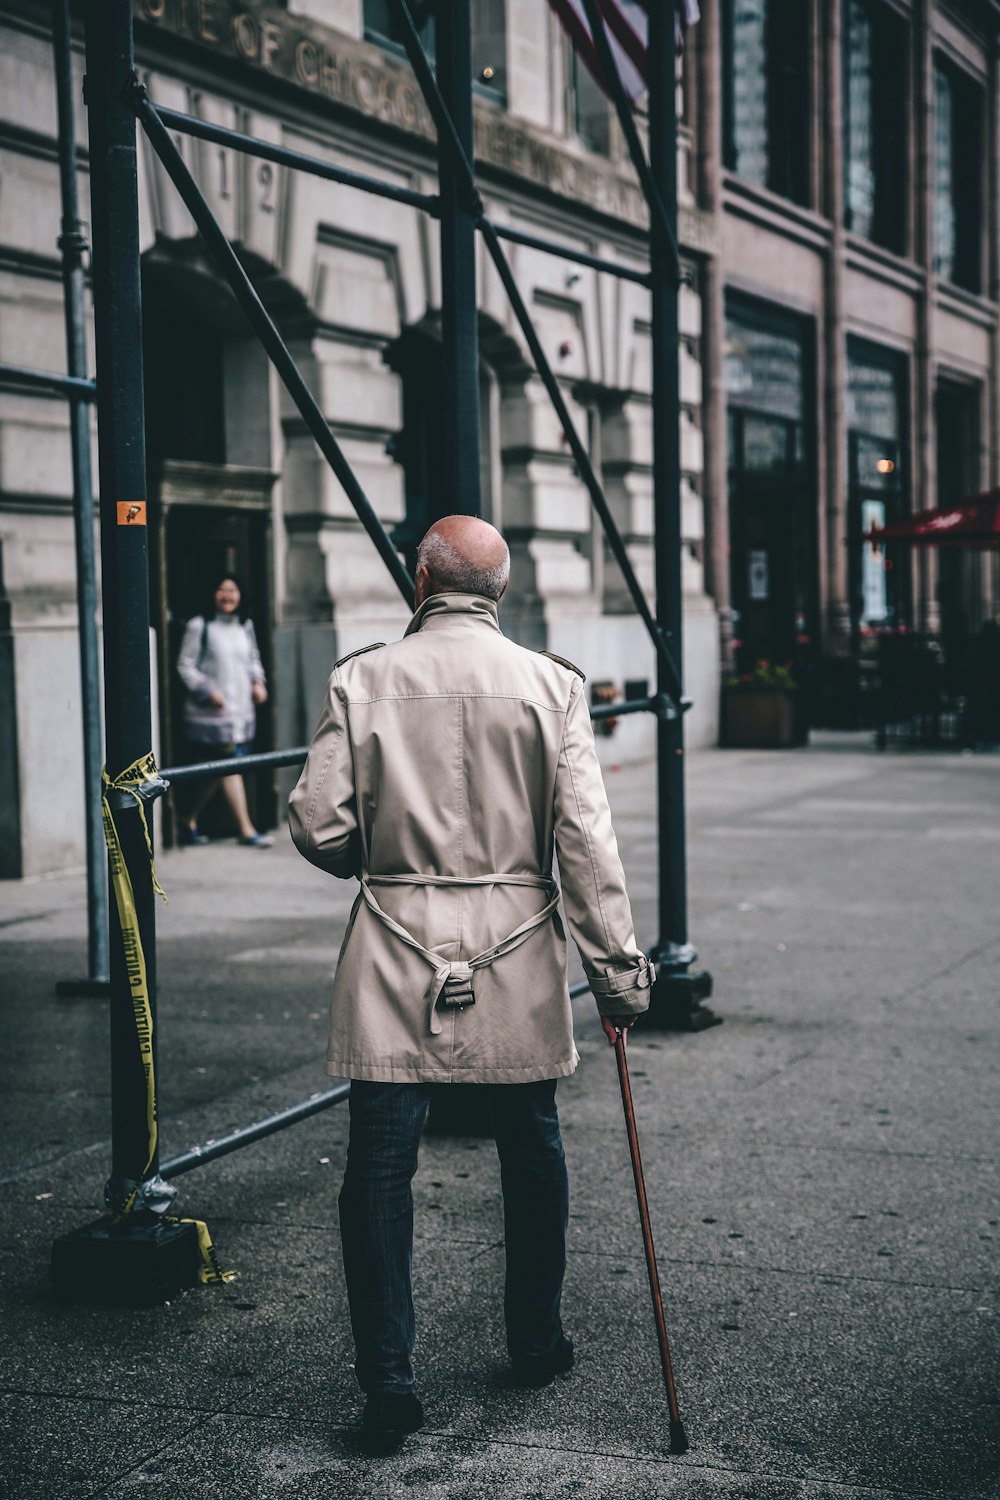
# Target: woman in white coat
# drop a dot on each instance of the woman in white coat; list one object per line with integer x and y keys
{"x": 220, "y": 666}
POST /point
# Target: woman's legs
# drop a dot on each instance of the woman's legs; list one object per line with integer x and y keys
{"x": 235, "y": 792}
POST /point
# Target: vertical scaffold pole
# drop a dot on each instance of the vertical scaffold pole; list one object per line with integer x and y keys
{"x": 72, "y": 245}
{"x": 459, "y": 318}
{"x": 132, "y": 1255}
{"x": 678, "y": 990}
{"x": 458, "y": 1109}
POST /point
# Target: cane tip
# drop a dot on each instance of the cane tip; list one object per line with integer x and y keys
{"x": 678, "y": 1437}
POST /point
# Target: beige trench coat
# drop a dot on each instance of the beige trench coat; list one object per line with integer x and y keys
{"x": 446, "y": 771}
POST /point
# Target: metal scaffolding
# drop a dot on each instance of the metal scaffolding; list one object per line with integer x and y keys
{"x": 147, "y": 1248}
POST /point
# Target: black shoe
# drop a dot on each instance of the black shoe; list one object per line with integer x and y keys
{"x": 536, "y": 1370}
{"x": 387, "y": 1419}
{"x": 186, "y": 836}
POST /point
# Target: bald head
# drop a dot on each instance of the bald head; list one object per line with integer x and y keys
{"x": 462, "y": 554}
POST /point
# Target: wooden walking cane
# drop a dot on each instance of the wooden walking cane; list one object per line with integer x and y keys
{"x": 678, "y": 1438}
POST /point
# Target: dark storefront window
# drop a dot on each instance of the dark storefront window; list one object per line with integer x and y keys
{"x": 773, "y": 571}
{"x": 767, "y": 94}
{"x": 875, "y": 70}
{"x": 879, "y": 581}
{"x": 958, "y": 167}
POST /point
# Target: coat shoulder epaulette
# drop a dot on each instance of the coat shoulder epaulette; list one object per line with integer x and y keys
{"x": 375, "y": 646}
{"x": 564, "y": 663}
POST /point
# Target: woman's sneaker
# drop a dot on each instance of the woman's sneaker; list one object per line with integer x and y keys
{"x": 256, "y": 840}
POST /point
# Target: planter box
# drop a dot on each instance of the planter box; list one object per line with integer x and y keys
{"x": 760, "y": 718}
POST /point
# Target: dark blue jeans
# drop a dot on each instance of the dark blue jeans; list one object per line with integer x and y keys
{"x": 376, "y": 1221}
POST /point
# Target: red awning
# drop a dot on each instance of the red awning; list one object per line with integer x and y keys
{"x": 974, "y": 523}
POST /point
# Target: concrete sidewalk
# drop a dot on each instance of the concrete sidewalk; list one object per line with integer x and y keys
{"x": 822, "y": 1172}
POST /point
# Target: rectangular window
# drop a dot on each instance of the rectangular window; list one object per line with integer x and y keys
{"x": 876, "y": 421}
{"x": 591, "y": 107}
{"x": 766, "y": 93}
{"x": 876, "y": 49}
{"x": 489, "y": 38}
{"x": 382, "y": 23}
{"x": 958, "y": 185}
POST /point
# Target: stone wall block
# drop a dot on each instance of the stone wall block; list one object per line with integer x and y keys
{"x": 689, "y": 313}
{"x": 310, "y": 486}
{"x": 358, "y": 580}
{"x": 356, "y": 387}
{"x": 692, "y": 512}
{"x": 347, "y": 16}
{"x": 528, "y": 419}
{"x": 218, "y": 168}
{"x": 35, "y": 452}
{"x": 562, "y": 573}
{"x": 29, "y": 190}
{"x": 27, "y": 90}
{"x": 546, "y": 497}
{"x": 357, "y": 287}
{"x": 32, "y": 329}
{"x": 692, "y": 446}
{"x": 627, "y": 434}
{"x": 690, "y": 378}
{"x": 268, "y": 195}
{"x": 529, "y": 81}
{"x": 171, "y": 217}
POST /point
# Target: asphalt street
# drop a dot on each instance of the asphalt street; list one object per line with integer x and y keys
{"x": 822, "y": 1173}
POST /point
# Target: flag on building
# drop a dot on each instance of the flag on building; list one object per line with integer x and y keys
{"x": 627, "y": 24}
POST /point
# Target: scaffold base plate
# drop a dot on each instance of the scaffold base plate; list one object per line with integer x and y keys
{"x": 677, "y": 1002}
{"x": 130, "y": 1265}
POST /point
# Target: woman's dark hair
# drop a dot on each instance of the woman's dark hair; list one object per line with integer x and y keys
{"x": 243, "y": 610}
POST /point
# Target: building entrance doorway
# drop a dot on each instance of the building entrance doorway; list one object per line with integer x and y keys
{"x": 210, "y": 483}
{"x": 765, "y": 583}
{"x": 203, "y": 544}
{"x": 773, "y": 566}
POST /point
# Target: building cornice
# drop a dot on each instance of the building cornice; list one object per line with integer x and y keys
{"x": 745, "y": 200}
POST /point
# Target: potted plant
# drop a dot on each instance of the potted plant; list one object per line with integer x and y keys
{"x": 760, "y": 709}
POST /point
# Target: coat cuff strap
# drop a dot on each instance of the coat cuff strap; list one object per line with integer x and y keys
{"x": 623, "y": 991}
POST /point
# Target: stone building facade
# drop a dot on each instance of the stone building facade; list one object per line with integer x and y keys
{"x": 838, "y": 170}
{"x": 353, "y": 283}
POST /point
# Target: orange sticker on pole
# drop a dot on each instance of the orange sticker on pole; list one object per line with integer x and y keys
{"x": 131, "y": 512}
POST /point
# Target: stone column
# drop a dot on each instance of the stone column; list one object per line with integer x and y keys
{"x": 709, "y": 180}
{"x": 833, "y": 560}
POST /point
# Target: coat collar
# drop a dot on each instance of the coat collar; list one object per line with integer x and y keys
{"x": 454, "y": 609}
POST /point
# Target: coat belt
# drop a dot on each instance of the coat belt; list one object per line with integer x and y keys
{"x": 457, "y": 974}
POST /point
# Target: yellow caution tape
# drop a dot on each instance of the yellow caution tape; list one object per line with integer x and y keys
{"x": 129, "y": 781}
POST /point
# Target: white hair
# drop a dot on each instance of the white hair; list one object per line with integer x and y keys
{"x": 455, "y": 572}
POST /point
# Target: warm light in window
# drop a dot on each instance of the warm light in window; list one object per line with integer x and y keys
{"x": 885, "y": 466}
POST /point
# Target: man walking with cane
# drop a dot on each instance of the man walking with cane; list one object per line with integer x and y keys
{"x": 446, "y": 772}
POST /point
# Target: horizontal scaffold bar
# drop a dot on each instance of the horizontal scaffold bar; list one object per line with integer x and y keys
{"x": 47, "y": 383}
{"x": 211, "y": 1150}
{"x": 273, "y": 760}
{"x": 285, "y": 156}
{"x": 301, "y": 161}
{"x": 568, "y": 252}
